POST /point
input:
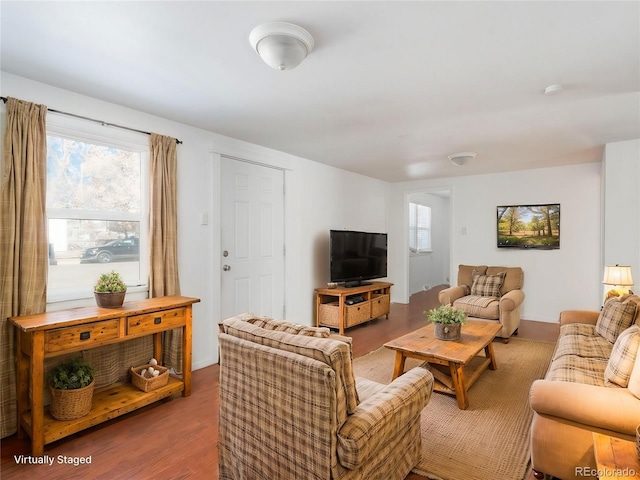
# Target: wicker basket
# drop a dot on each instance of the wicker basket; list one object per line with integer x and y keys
{"x": 149, "y": 384}
{"x": 71, "y": 404}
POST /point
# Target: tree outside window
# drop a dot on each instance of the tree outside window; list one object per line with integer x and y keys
{"x": 95, "y": 224}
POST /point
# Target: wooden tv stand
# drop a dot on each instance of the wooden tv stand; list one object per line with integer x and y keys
{"x": 51, "y": 334}
{"x": 332, "y": 309}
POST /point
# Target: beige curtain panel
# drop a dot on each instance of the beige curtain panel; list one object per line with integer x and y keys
{"x": 163, "y": 235}
{"x": 23, "y": 237}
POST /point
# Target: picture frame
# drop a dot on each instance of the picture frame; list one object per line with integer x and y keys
{"x": 528, "y": 226}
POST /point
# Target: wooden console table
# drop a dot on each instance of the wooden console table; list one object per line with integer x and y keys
{"x": 56, "y": 333}
{"x": 332, "y": 309}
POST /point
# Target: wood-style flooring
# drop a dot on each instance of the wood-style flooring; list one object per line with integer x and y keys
{"x": 177, "y": 438}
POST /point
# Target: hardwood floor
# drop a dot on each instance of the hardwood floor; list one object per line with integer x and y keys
{"x": 177, "y": 438}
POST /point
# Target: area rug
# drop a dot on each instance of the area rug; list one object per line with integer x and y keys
{"x": 491, "y": 438}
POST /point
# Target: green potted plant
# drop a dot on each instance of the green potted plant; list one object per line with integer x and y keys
{"x": 71, "y": 385}
{"x": 110, "y": 290}
{"x": 447, "y": 321}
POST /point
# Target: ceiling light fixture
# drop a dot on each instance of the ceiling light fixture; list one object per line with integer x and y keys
{"x": 553, "y": 90}
{"x": 281, "y": 45}
{"x": 462, "y": 158}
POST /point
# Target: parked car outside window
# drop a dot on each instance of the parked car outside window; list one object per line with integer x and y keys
{"x": 115, "y": 250}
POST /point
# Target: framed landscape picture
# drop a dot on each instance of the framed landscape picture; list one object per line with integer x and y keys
{"x": 529, "y": 226}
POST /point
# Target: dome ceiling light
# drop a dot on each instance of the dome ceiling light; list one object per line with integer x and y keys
{"x": 281, "y": 45}
{"x": 553, "y": 90}
{"x": 462, "y": 158}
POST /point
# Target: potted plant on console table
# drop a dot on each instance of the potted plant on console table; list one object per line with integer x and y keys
{"x": 110, "y": 290}
{"x": 446, "y": 322}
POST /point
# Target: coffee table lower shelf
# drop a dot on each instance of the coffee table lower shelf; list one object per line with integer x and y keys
{"x": 444, "y": 379}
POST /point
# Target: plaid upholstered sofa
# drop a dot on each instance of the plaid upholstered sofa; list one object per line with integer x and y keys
{"x": 291, "y": 408}
{"x": 592, "y": 385}
{"x": 488, "y": 293}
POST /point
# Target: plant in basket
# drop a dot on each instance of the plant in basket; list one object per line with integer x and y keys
{"x": 110, "y": 290}
{"x": 447, "y": 321}
{"x": 71, "y": 385}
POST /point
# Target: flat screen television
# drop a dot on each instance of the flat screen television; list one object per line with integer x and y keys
{"x": 357, "y": 256}
{"x": 529, "y": 226}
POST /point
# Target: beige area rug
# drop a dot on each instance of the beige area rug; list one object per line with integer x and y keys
{"x": 489, "y": 440}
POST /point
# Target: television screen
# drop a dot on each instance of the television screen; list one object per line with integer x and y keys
{"x": 529, "y": 226}
{"x": 357, "y": 256}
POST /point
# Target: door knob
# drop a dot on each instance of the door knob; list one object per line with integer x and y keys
{"x": 226, "y": 268}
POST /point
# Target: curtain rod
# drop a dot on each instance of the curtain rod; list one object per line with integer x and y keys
{"x": 106, "y": 124}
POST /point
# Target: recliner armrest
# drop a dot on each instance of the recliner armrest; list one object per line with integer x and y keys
{"x": 511, "y": 300}
{"x": 611, "y": 408}
{"x": 383, "y": 415}
{"x": 451, "y": 294}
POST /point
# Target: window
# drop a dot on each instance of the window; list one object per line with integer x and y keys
{"x": 96, "y": 196}
{"x": 419, "y": 228}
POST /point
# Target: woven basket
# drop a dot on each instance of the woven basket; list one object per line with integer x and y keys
{"x": 149, "y": 384}
{"x": 71, "y": 404}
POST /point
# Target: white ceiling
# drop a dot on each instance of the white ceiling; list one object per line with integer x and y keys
{"x": 389, "y": 91}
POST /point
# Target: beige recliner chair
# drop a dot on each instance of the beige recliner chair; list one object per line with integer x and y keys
{"x": 290, "y": 408}
{"x": 489, "y": 294}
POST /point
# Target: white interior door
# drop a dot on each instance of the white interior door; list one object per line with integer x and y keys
{"x": 252, "y": 256}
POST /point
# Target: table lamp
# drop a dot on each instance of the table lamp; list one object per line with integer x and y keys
{"x": 618, "y": 278}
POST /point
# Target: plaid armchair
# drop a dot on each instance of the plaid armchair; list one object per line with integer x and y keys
{"x": 290, "y": 408}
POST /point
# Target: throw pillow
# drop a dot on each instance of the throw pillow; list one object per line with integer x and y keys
{"x": 487, "y": 285}
{"x": 623, "y": 357}
{"x": 615, "y": 317}
{"x": 634, "y": 379}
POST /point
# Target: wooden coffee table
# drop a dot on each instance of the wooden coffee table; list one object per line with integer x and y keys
{"x": 455, "y": 364}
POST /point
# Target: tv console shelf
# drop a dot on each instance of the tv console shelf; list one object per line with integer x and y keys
{"x": 332, "y": 309}
{"x": 50, "y": 334}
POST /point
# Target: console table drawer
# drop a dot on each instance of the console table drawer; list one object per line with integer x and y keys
{"x": 80, "y": 337}
{"x": 155, "y": 322}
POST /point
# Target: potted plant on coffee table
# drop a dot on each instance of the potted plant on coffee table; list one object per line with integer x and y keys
{"x": 110, "y": 290}
{"x": 447, "y": 321}
{"x": 71, "y": 386}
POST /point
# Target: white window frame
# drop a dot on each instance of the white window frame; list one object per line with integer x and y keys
{"x": 415, "y": 228}
{"x": 88, "y": 131}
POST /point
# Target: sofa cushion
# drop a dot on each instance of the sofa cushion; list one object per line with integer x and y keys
{"x": 480, "y": 307}
{"x": 615, "y": 317}
{"x": 335, "y": 353}
{"x": 623, "y": 357}
{"x": 573, "y": 368}
{"x": 487, "y": 285}
{"x": 581, "y": 339}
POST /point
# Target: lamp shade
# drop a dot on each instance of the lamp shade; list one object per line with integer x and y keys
{"x": 282, "y": 46}
{"x": 617, "y": 275}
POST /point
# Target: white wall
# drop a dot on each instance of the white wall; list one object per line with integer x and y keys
{"x": 621, "y": 204}
{"x": 318, "y": 198}
{"x": 554, "y": 280}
